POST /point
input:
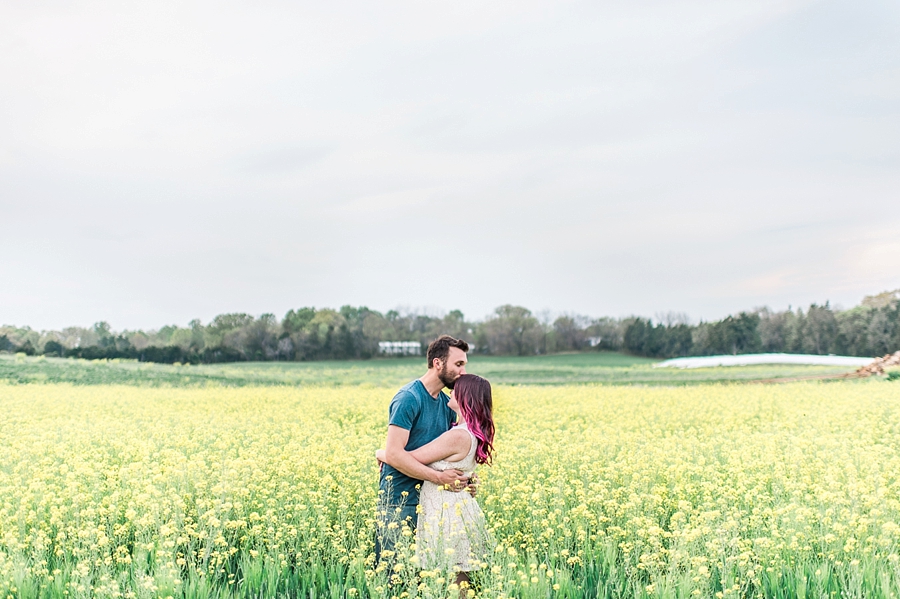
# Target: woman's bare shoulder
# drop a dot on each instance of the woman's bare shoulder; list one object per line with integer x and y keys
{"x": 457, "y": 436}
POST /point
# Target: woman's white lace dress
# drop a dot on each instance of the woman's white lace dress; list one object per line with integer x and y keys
{"x": 451, "y": 533}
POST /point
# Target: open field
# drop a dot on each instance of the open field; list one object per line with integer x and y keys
{"x": 563, "y": 369}
{"x": 597, "y": 491}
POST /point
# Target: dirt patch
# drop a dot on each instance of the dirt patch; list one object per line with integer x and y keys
{"x": 878, "y": 366}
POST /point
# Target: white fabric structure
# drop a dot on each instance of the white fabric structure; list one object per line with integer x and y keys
{"x": 751, "y": 359}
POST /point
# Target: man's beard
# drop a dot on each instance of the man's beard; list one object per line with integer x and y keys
{"x": 446, "y": 378}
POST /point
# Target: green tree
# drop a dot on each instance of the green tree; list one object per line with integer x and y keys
{"x": 54, "y": 348}
{"x": 569, "y": 334}
{"x": 511, "y": 330}
{"x": 731, "y": 335}
{"x": 820, "y": 329}
{"x": 852, "y": 327}
{"x": 104, "y": 336}
{"x": 297, "y": 320}
{"x": 881, "y": 333}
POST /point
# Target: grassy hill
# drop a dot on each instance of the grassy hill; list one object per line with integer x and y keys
{"x": 582, "y": 368}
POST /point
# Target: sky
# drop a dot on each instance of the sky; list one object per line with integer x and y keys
{"x": 164, "y": 161}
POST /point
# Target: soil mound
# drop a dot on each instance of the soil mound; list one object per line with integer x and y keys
{"x": 879, "y": 364}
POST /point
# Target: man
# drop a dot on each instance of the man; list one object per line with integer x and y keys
{"x": 418, "y": 414}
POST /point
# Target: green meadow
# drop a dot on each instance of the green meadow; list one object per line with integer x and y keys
{"x": 610, "y": 368}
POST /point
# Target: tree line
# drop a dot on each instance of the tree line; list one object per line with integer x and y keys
{"x": 870, "y": 329}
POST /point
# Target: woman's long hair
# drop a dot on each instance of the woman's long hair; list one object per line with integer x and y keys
{"x": 473, "y": 394}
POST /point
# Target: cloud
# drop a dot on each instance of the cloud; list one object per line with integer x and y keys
{"x": 280, "y": 160}
{"x": 175, "y": 160}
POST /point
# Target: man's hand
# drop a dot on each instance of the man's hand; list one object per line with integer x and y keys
{"x": 379, "y": 455}
{"x": 451, "y": 480}
{"x": 472, "y": 487}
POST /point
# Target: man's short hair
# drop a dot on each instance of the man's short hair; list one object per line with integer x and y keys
{"x": 440, "y": 348}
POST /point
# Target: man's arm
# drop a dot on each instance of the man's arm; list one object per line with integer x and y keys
{"x": 396, "y": 455}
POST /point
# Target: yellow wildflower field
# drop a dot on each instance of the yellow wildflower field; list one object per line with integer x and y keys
{"x": 704, "y": 491}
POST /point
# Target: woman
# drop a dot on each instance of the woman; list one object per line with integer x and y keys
{"x": 451, "y": 532}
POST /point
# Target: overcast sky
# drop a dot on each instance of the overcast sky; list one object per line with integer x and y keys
{"x": 163, "y": 161}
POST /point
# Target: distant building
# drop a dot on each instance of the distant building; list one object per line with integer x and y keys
{"x": 595, "y": 341}
{"x": 400, "y": 348}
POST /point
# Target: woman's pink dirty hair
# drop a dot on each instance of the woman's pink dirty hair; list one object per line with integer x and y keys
{"x": 473, "y": 394}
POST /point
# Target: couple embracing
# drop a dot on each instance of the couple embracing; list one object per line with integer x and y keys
{"x": 434, "y": 443}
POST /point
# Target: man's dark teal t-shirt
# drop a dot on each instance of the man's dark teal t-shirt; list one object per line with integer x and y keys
{"x": 426, "y": 418}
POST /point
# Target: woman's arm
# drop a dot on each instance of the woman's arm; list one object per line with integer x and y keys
{"x": 453, "y": 445}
